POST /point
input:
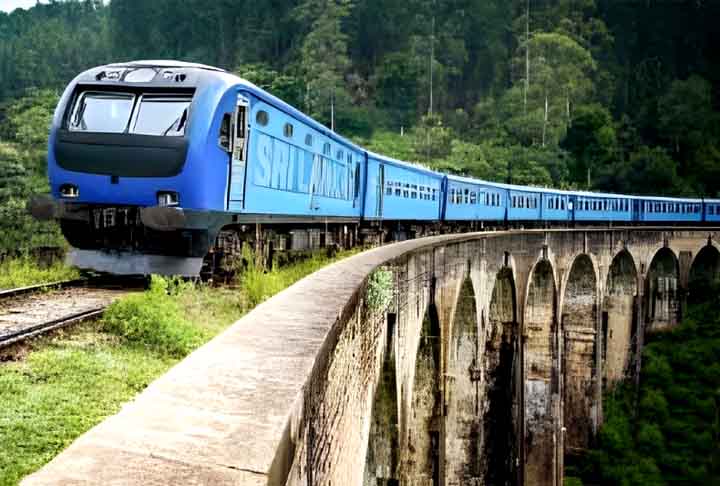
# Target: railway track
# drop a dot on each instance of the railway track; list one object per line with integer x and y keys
{"x": 34, "y": 310}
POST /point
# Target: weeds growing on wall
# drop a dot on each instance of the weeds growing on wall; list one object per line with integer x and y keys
{"x": 379, "y": 289}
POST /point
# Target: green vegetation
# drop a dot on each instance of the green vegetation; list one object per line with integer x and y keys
{"x": 379, "y": 289}
{"x": 669, "y": 434}
{"x": 258, "y": 285}
{"x": 68, "y": 383}
{"x": 24, "y": 271}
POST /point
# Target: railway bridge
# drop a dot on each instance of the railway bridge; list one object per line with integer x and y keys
{"x": 466, "y": 359}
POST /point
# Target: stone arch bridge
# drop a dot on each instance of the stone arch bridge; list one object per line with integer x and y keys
{"x": 476, "y": 359}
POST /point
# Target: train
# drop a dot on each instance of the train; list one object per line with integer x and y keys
{"x": 169, "y": 167}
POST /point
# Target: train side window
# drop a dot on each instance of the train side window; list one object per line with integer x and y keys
{"x": 288, "y": 130}
{"x": 340, "y": 155}
{"x": 326, "y": 149}
{"x": 357, "y": 180}
{"x": 473, "y": 197}
{"x": 466, "y": 193}
{"x": 225, "y": 141}
{"x": 262, "y": 118}
{"x": 308, "y": 140}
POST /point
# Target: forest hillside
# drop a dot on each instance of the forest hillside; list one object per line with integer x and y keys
{"x": 599, "y": 94}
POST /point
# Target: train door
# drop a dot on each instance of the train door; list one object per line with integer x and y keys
{"x": 572, "y": 207}
{"x": 380, "y": 191}
{"x": 238, "y": 161}
{"x": 636, "y": 210}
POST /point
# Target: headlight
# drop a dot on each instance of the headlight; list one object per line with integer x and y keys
{"x": 69, "y": 191}
{"x": 168, "y": 198}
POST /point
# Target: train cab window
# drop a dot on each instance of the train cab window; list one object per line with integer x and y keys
{"x": 308, "y": 140}
{"x": 224, "y": 140}
{"x": 262, "y": 118}
{"x": 102, "y": 112}
{"x": 288, "y": 130}
{"x": 162, "y": 115}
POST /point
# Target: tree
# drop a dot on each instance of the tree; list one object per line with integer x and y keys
{"x": 592, "y": 140}
{"x": 324, "y": 58}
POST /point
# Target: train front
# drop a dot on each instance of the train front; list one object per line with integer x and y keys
{"x": 135, "y": 187}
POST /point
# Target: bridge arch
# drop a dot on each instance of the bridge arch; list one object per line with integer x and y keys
{"x": 421, "y": 451}
{"x": 704, "y": 271}
{"x": 619, "y": 316}
{"x": 383, "y": 449}
{"x": 499, "y": 408}
{"x": 541, "y": 386}
{"x": 579, "y": 326}
{"x": 662, "y": 290}
{"x": 461, "y": 393}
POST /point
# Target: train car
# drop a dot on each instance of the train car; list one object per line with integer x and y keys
{"x": 711, "y": 210}
{"x": 400, "y": 191}
{"x": 555, "y": 205}
{"x": 523, "y": 203}
{"x": 148, "y": 161}
{"x": 590, "y": 206}
{"x": 653, "y": 209}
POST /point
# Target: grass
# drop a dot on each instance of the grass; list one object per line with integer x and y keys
{"x": 69, "y": 382}
{"x": 24, "y": 271}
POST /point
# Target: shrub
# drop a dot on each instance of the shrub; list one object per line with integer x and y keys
{"x": 154, "y": 319}
{"x": 23, "y": 271}
{"x": 379, "y": 289}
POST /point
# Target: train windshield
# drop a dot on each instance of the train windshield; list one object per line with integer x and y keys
{"x": 102, "y": 112}
{"x": 162, "y": 115}
{"x": 151, "y": 114}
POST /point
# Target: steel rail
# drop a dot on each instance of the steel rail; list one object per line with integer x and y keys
{"x": 38, "y": 329}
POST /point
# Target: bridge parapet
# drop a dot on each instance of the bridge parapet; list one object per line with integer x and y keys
{"x": 490, "y": 347}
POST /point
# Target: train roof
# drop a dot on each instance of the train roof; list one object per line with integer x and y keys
{"x": 404, "y": 164}
{"x": 165, "y": 64}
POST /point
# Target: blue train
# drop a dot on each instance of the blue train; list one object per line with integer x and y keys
{"x": 169, "y": 167}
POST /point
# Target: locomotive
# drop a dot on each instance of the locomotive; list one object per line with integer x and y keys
{"x": 169, "y": 167}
